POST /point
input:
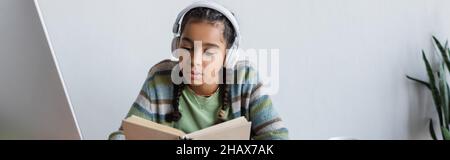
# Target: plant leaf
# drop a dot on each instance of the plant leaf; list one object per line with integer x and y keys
{"x": 445, "y": 133}
{"x": 439, "y": 45}
{"x": 447, "y": 108}
{"x": 433, "y": 88}
{"x": 442, "y": 50}
{"x": 431, "y": 128}
{"x": 448, "y": 50}
{"x": 443, "y": 92}
{"x": 419, "y": 81}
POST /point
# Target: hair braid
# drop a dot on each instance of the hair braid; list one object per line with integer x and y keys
{"x": 224, "y": 89}
{"x": 177, "y": 90}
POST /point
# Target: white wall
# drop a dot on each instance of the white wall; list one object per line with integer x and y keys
{"x": 343, "y": 63}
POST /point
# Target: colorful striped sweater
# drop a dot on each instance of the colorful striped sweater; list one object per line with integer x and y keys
{"x": 154, "y": 101}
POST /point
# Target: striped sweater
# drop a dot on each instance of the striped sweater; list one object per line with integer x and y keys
{"x": 154, "y": 101}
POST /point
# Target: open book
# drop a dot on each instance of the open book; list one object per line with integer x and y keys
{"x": 136, "y": 128}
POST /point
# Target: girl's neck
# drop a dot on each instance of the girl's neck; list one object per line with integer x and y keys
{"x": 205, "y": 90}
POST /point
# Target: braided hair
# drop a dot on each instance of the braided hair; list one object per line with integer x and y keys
{"x": 208, "y": 15}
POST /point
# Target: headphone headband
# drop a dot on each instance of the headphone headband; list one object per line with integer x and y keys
{"x": 207, "y": 4}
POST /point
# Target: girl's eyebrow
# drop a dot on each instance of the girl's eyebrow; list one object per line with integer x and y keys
{"x": 211, "y": 45}
{"x": 188, "y": 40}
{"x": 208, "y": 45}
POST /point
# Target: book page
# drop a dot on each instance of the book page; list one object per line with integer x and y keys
{"x": 236, "y": 129}
{"x": 137, "y": 128}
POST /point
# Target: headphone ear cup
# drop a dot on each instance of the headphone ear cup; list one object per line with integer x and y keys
{"x": 231, "y": 57}
{"x": 175, "y": 42}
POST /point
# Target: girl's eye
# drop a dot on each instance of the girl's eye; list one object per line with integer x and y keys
{"x": 209, "y": 53}
{"x": 186, "y": 48}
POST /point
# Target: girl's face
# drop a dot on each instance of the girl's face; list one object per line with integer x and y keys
{"x": 207, "y": 48}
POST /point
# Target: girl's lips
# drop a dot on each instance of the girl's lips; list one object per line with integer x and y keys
{"x": 196, "y": 75}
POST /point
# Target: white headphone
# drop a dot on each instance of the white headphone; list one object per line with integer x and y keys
{"x": 232, "y": 55}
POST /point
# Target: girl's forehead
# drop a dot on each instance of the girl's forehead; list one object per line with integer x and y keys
{"x": 205, "y": 32}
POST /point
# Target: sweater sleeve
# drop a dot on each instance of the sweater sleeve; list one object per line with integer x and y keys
{"x": 266, "y": 122}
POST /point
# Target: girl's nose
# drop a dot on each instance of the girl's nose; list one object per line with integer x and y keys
{"x": 197, "y": 59}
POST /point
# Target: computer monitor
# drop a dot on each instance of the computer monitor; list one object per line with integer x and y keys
{"x": 34, "y": 103}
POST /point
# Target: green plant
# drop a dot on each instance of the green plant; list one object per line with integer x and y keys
{"x": 439, "y": 88}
